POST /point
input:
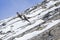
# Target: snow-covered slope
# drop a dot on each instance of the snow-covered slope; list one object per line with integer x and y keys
{"x": 35, "y": 21}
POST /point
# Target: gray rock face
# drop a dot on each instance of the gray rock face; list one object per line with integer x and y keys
{"x": 51, "y": 34}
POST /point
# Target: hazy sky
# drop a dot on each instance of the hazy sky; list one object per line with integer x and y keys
{"x": 10, "y": 7}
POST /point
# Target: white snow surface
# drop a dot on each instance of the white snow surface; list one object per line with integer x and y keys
{"x": 44, "y": 13}
{"x": 51, "y": 3}
{"x": 35, "y": 33}
{"x": 20, "y": 31}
